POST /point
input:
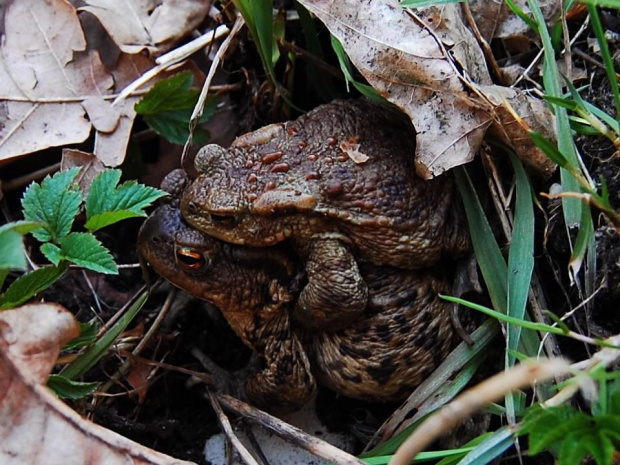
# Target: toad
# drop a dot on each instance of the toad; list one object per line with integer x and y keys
{"x": 403, "y": 333}
{"x": 339, "y": 183}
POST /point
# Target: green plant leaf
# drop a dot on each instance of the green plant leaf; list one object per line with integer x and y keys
{"x": 108, "y": 203}
{"x": 54, "y": 203}
{"x": 52, "y": 253}
{"x": 30, "y": 284}
{"x": 101, "y": 220}
{"x": 174, "y": 125}
{"x": 546, "y": 426}
{"x": 12, "y": 253}
{"x": 171, "y": 94}
{"x": 167, "y": 108}
{"x": 85, "y": 250}
{"x": 68, "y": 389}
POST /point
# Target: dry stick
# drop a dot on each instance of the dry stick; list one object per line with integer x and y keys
{"x": 474, "y": 399}
{"x": 172, "y": 58}
{"x": 245, "y": 454}
{"x": 200, "y": 105}
{"x": 484, "y": 45}
{"x": 288, "y": 432}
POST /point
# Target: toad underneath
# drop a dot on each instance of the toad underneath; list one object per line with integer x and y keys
{"x": 402, "y": 335}
{"x": 339, "y": 183}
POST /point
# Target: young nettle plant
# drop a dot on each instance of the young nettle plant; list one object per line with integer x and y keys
{"x": 50, "y": 209}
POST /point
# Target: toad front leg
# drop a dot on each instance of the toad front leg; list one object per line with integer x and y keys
{"x": 285, "y": 382}
{"x": 336, "y": 293}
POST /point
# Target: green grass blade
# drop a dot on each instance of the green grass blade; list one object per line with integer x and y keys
{"x": 551, "y": 78}
{"x": 521, "y": 255}
{"x": 490, "y": 449}
{"x": 488, "y": 254}
{"x": 597, "y": 27}
{"x": 520, "y": 267}
{"x": 95, "y": 352}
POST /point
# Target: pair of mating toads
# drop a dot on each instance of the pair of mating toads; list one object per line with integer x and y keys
{"x": 319, "y": 244}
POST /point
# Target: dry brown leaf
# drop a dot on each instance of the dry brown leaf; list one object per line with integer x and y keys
{"x": 494, "y": 18}
{"x": 428, "y": 64}
{"x": 35, "y": 426}
{"x": 45, "y": 75}
{"x": 148, "y": 24}
{"x": 90, "y": 164}
{"x": 32, "y": 336}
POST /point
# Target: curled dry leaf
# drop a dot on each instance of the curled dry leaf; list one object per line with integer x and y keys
{"x": 35, "y": 426}
{"x": 352, "y": 149}
{"x": 154, "y": 25}
{"x": 90, "y": 164}
{"x": 428, "y": 64}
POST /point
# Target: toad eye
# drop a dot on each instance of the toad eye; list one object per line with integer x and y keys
{"x": 190, "y": 259}
{"x": 225, "y": 221}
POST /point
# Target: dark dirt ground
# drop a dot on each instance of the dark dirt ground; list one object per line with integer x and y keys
{"x": 175, "y": 418}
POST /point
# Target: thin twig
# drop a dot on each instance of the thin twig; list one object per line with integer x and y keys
{"x": 245, "y": 454}
{"x": 199, "y": 107}
{"x": 170, "y": 59}
{"x": 288, "y": 432}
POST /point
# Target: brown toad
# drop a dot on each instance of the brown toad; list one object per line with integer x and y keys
{"x": 340, "y": 183}
{"x": 402, "y": 335}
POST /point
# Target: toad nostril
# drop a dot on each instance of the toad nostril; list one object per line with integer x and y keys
{"x": 224, "y": 220}
{"x": 155, "y": 239}
{"x": 192, "y": 208}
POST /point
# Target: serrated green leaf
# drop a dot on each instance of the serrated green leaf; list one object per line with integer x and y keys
{"x": 174, "y": 125}
{"x": 167, "y": 108}
{"x": 55, "y": 203}
{"x": 12, "y": 253}
{"x": 22, "y": 227}
{"x": 572, "y": 452}
{"x": 101, "y": 193}
{"x": 85, "y": 250}
{"x": 104, "y": 219}
{"x": 69, "y": 389}
{"x": 598, "y": 445}
{"x": 52, "y": 253}
{"x": 107, "y": 204}
{"x": 171, "y": 94}
{"x": 546, "y": 426}
{"x": 30, "y": 284}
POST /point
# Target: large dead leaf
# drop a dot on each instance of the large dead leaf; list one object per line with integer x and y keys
{"x": 35, "y": 426}
{"x": 152, "y": 24}
{"x": 494, "y": 18}
{"x": 429, "y": 64}
{"x": 45, "y": 77}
